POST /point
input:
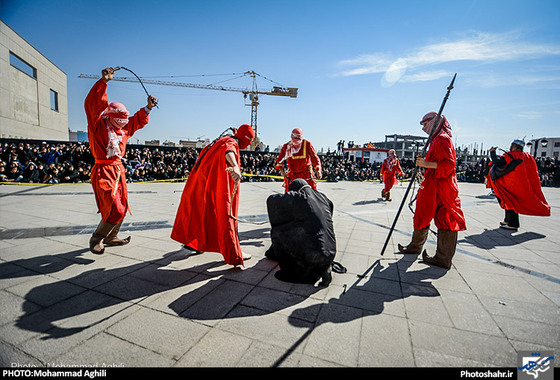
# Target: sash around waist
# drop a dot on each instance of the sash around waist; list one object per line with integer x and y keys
{"x": 108, "y": 162}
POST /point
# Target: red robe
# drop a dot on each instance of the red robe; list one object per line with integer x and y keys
{"x": 108, "y": 174}
{"x": 520, "y": 190}
{"x": 301, "y": 164}
{"x": 390, "y": 176}
{"x": 203, "y": 219}
{"x": 438, "y": 196}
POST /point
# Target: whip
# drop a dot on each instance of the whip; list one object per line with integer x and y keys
{"x": 137, "y": 77}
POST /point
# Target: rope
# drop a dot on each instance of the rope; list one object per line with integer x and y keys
{"x": 235, "y": 187}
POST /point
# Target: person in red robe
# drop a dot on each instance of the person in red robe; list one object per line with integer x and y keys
{"x": 302, "y": 159}
{"x": 206, "y": 219}
{"x": 438, "y": 196}
{"x": 109, "y": 128}
{"x": 389, "y": 169}
{"x": 514, "y": 177}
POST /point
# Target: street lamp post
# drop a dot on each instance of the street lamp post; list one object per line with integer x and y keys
{"x": 544, "y": 143}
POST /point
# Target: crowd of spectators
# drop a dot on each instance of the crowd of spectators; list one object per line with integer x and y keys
{"x": 45, "y": 163}
{"x": 549, "y": 170}
{"x": 473, "y": 172}
{"x": 338, "y": 168}
{"x": 145, "y": 163}
{"x": 71, "y": 162}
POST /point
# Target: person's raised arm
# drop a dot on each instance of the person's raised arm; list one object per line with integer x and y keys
{"x": 97, "y": 101}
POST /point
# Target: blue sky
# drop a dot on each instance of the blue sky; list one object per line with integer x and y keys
{"x": 364, "y": 68}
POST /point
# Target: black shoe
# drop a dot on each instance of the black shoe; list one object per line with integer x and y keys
{"x": 508, "y": 227}
{"x": 326, "y": 278}
{"x": 194, "y": 251}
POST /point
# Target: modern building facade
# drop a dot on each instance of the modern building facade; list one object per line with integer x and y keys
{"x": 544, "y": 147}
{"x": 365, "y": 154}
{"x": 405, "y": 146}
{"x": 33, "y": 91}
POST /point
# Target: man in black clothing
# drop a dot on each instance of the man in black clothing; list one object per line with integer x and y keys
{"x": 511, "y": 220}
{"x": 302, "y": 234}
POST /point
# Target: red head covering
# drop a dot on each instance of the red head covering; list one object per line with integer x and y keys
{"x": 296, "y": 138}
{"x": 116, "y": 118}
{"x": 428, "y": 123}
{"x": 117, "y": 114}
{"x": 391, "y": 159}
{"x": 244, "y": 134}
{"x": 294, "y": 145}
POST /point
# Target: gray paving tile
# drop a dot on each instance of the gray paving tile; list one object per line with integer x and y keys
{"x": 153, "y": 303}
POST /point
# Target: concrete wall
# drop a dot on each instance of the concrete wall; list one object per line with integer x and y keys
{"x": 25, "y": 106}
{"x": 552, "y": 148}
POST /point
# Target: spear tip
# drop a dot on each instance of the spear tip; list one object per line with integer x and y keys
{"x": 452, "y": 81}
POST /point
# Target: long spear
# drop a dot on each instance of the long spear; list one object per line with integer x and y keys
{"x": 415, "y": 171}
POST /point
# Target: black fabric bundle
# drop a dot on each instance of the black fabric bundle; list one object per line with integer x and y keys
{"x": 302, "y": 234}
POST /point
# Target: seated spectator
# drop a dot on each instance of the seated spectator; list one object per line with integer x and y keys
{"x": 31, "y": 174}
{"x": 14, "y": 175}
{"x": 42, "y": 172}
{"x": 52, "y": 156}
{"x": 69, "y": 174}
{"x": 52, "y": 174}
{"x": 3, "y": 173}
{"x": 138, "y": 175}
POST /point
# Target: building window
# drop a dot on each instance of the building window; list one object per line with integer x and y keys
{"x": 22, "y": 66}
{"x": 54, "y": 100}
{"x": 557, "y": 144}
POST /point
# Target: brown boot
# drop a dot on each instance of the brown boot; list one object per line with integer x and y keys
{"x": 446, "y": 244}
{"x": 388, "y": 196}
{"x": 419, "y": 237}
{"x": 96, "y": 241}
{"x": 112, "y": 240}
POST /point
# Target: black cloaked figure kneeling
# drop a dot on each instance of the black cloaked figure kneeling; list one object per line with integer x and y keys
{"x": 302, "y": 234}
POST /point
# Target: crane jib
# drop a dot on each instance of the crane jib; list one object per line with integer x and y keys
{"x": 279, "y": 91}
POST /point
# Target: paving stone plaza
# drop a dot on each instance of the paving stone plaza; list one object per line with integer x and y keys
{"x": 152, "y": 303}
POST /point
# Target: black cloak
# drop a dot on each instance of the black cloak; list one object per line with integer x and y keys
{"x": 302, "y": 234}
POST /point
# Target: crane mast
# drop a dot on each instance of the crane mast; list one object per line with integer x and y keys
{"x": 253, "y": 93}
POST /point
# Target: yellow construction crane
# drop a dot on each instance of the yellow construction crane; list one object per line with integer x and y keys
{"x": 253, "y": 93}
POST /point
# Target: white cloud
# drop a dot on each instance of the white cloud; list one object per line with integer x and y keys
{"x": 478, "y": 47}
{"x": 529, "y": 115}
{"x": 367, "y": 64}
{"x": 425, "y": 76}
{"x": 492, "y": 80}
{"x": 394, "y": 73}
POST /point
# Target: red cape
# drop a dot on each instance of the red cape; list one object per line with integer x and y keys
{"x": 203, "y": 219}
{"x": 520, "y": 190}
